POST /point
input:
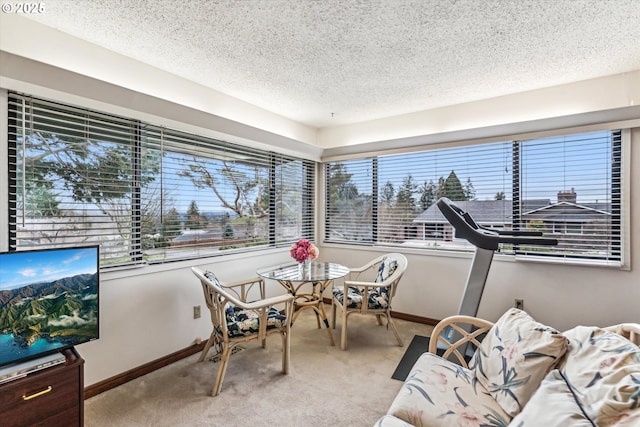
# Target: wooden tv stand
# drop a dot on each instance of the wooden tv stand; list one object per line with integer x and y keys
{"x": 51, "y": 397}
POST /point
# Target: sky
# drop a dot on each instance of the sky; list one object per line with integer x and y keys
{"x": 23, "y": 268}
{"x": 548, "y": 165}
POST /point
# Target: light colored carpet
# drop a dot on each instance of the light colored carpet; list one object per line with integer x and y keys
{"x": 325, "y": 387}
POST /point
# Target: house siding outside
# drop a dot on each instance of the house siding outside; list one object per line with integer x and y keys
{"x": 583, "y": 227}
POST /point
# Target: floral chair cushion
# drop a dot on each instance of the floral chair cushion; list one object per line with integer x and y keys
{"x": 603, "y": 370}
{"x": 378, "y": 298}
{"x": 241, "y": 322}
{"x": 514, "y": 358}
{"x": 438, "y": 392}
{"x": 214, "y": 279}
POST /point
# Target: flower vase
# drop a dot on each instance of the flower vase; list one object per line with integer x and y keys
{"x": 305, "y": 268}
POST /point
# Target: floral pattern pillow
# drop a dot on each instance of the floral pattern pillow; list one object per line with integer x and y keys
{"x": 391, "y": 421}
{"x": 438, "y": 392}
{"x": 603, "y": 370}
{"x": 514, "y": 358}
{"x": 552, "y": 405}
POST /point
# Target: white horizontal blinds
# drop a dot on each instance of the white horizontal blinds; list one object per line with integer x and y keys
{"x": 349, "y": 201}
{"x": 566, "y": 187}
{"x": 213, "y": 196}
{"x": 292, "y": 199}
{"x": 570, "y": 190}
{"x": 146, "y": 194}
{"x": 74, "y": 179}
{"x": 209, "y": 197}
{"x": 476, "y": 178}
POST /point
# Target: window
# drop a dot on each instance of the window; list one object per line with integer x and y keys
{"x": 147, "y": 194}
{"x": 570, "y": 187}
{"x": 208, "y": 196}
{"x": 350, "y": 202}
{"x": 393, "y": 197}
{"x": 567, "y": 187}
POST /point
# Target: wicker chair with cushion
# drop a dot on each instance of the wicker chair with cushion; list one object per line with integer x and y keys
{"x": 237, "y": 321}
{"x": 376, "y": 283}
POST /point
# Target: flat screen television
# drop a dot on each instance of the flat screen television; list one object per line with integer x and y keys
{"x": 48, "y": 301}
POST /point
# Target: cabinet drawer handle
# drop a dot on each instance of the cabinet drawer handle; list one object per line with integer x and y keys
{"x": 34, "y": 395}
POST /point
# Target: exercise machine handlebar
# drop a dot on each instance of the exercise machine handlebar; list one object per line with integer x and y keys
{"x": 467, "y": 228}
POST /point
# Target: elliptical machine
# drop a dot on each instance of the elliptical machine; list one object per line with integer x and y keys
{"x": 486, "y": 242}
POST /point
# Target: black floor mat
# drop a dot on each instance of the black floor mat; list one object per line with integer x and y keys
{"x": 419, "y": 345}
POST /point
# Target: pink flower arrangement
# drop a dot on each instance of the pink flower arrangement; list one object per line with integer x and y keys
{"x": 303, "y": 250}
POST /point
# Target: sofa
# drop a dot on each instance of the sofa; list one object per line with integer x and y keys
{"x": 519, "y": 372}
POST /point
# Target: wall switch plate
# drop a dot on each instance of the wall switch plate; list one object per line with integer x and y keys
{"x": 196, "y": 312}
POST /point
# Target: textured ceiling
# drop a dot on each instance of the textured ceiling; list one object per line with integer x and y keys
{"x": 333, "y": 62}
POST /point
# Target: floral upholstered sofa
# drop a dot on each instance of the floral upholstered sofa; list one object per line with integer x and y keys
{"x": 522, "y": 374}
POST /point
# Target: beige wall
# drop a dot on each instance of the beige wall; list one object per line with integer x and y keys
{"x": 146, "y": 313}
{"x": 610, "y": 92}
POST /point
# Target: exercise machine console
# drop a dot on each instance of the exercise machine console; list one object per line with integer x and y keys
{"x": 486, "y": 241}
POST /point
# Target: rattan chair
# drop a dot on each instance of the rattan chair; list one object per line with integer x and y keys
{"x": 237, "y": 321}
{"x": 630, "y": 331}
{"x": 457, "y": 337}
{"x": 376, "y": 283}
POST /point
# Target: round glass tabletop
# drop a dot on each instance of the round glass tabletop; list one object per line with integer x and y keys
{"x": 293, "y": 272}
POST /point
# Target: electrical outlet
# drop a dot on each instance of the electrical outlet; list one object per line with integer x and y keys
{"x": 196, "y": 311}
{"x": 518, "y": 303}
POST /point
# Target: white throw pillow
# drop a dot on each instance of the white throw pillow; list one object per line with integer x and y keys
{"x": 514, "y": 358}
{"x": 553, "y": 405}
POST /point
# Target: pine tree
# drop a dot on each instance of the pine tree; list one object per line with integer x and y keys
{"x": 194, "y": 219}
{"x": 405, "y": 199}
{"x": 171, "y": 225}
{"x": 451, "y": 188}
{"x": 427, "y": 195}
{"x": 388, "y": 194}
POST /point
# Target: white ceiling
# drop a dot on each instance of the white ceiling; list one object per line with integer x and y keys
{"x": 332, "y": 62}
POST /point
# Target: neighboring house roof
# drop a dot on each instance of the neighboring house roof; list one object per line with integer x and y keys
{"x": 486, "y": 212}
{"x": 498, "y": 212}
{"x": 568, "y": 212}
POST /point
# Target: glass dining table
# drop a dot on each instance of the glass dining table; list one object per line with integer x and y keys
{"x": 297, "y": 278}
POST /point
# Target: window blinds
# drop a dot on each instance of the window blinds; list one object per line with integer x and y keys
{"x": 571, "y": 190}
{"x": 72, "y": 181}
{"x": 397, "y": 194}
{"x": 225, "y": 197}
{"x": 566, "y": 187}
{"x": 350, "y": 203}
{"x": 146, "y": 193}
